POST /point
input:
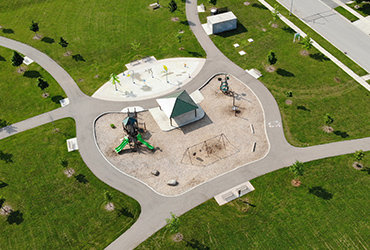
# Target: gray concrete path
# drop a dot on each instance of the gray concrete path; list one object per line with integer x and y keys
{"x": 333, "y": 27}
{"x": 154, "y": 207}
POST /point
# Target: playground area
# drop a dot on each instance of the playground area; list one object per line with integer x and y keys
{"x": 231, "y": 134}
{"x": 148, "y": 77}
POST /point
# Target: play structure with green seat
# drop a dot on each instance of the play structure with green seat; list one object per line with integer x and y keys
{"x": 134, "y": 139}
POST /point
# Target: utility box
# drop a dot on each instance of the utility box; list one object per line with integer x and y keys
{"x": 222, "y": 22}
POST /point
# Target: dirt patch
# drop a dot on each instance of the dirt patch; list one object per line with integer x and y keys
{"x": 81, "y": 80}
{"x": 37, "y": 37}
{"x": 327, "y": 129}
{"x": 246, "y": 3}
{"x": 288, "y": 102}
{"x": 337, "y": 79}
{"x": 6, "y": 210}
{"x": 69, "y": 172}
{"x": 275, "y": 25}
{"x": 96, "y": 76}
{"x": 296, "y": 183}
{"x": 181, "y": 48}
{"x": 357, "y": 165}
{"x": 177, "y": 237}
{"x": 304, "y": 52}
{"x": 181, "y": 32}
{"x": 109, "y": 206}
{"x": 21, "y": 69}
{"x": 264, "y": 30}
{"x": 45, "y": 95}
{"x": 270, "y": 68}
{"x": 175, "y": 19}
{"x": 68, "y": 53}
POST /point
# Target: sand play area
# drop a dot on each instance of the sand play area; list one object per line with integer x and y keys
{"x": 220, "y": 142}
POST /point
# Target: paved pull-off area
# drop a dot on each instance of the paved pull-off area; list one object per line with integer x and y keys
{"x": 155, "y": 208}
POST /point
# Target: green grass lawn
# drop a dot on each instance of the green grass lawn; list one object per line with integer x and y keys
{"x": 20, "y": 97}
{"x": 52, "y": 211}
{"x": 346, "y": 14}
{"x": 363, "y": 10}
{"x": 317, "y": 84}
{"x": 101, "y": 32}
{"x": 329, "y": 210}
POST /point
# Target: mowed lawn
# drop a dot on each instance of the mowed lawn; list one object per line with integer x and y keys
{"x": 318, "y": 86}
{"x": 52, "y": 211}
{"x": 330, "y": 210}
{"x": 20, "y": 97}
{"x": 102, "y": 32}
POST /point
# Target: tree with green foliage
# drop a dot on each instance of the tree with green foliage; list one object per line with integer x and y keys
{"x": 114, "y": 80}
{"x": 17, "y": 59}
{"x": 34, "y": 27}
{"x": 297, "y": 169}
{"x": 271, "y": 58}
{"x": 63, "y": 43}
{"x": 275, "y": 13}
{"x": 328, "y": 119}
{"x": 359, "y": 155}
{"x": 42, "y": 84}
{"x": 173, "y": 223}
{"x": 108, "y": 197}
{"x": 172, "y": 5}
{"x": 307, "y": 42}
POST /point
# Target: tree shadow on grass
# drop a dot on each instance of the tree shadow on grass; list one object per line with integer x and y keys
{"x": 301, "y": 107}
{"x": 259, "y": 6}
{"x": 195, "y": 244}
{"x": 187, "y": 23}
{"x": 365, "y": 8}
{"x": 3, "y": 184}
{"x": 81, "y": 178}
{"x": 320, "y": 192}
{"x": 2, "y": 59}
{"x": 47, "y": 40}
{"x": 78, "y": 58}
{"x": 288, "y": 29}
{"x": 8, "y": 31}
{"x": 7, "y": 158}
{"x": 15, "y": 217}
{"x": 3, "y": 123}
{"x": 57, "y": 98}
{"x": 239, "y": 30}
{"x": 367, "y": 169}
{"x": 194, "y": 53}
{"x": 32, "y": 74}
{"x": 284, "y": 72}
{"x": 124, "y": 211}
{"x": 319, "y": 57}
{"x": 341, "y": 133}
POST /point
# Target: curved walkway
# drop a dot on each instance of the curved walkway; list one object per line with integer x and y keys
{"x": 155, "y": 208}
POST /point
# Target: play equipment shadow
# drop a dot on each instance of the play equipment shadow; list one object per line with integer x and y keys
{"x": 2, "y": 59}
{"x": 205, "y": 121}
{"x": 288, "y": 29}
{"x": 320, "y": 192}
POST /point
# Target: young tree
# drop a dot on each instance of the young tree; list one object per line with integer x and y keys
{"x": 63, "y": 43}
{"x": 34, "y": 27}
{"x": 114, "y": 79}
{"x": 108, "y": 197}
{"x": 179, "y": 37}
{"x": 275, "y": 13}
{"x": 172, "y": 6}
{"x": 359, "y": 155}
{"x": 307, "y": 42}
{"x": 297, "y": 169}
{"x": 17, "y": 59}
{"x": 328, "y": 119}
{"x": 173, "y": 223}
{"x": 42, "y": 84}
{"x": 271, "y": 58}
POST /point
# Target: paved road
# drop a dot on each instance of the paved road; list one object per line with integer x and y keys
{"x": 335, "y": 28}
{"x": 154, "y": 207}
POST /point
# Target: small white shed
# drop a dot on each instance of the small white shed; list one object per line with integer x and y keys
{"x": 222, "y": 22}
